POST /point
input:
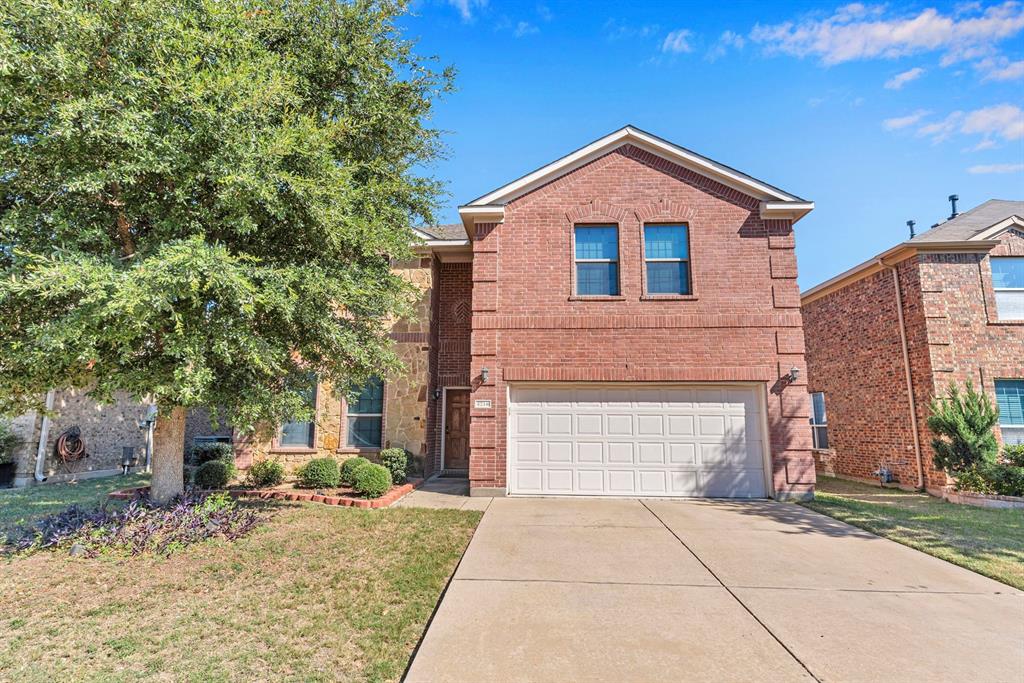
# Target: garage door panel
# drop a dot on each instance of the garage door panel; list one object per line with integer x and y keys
{"x": 590, "y": 452}
{"x": 636, "y": 441}
{"x": 620, "y": 453}
{"x": 559, "y": 452}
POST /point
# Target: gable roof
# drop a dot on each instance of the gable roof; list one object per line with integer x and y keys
{"x": 775, "y": 203}
{"x": 971, "y": 224}
{"x": 971, "y": 231}
{"x": 445, "y": 233}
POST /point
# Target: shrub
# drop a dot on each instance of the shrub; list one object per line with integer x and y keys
{"x": 373, "y": 481}
{"x": 396, "y": 460}
{"x": 139, "y": 526}
{"x": 205, "y": 452}
{"x": 9, "y": 442}
{"x": 319, "y": 473}
{"x": 214, "y": 474}
{"x": 348, "y": 470}
{"x": 266, "y": 473}
{"x": 963, "y": 425}
{"x": 1014, "y": 454}
{"x": 1005, "y": 478}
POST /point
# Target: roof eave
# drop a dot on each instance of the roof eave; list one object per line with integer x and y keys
{"x": 890, "y": 257}
{"x": 793, "y": 211}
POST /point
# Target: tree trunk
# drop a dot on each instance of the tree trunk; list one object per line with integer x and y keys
{"x": 168, "y": 456}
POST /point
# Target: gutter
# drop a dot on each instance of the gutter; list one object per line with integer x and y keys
{"x": 907, "y": 373}
{"x": 44, "y": 434}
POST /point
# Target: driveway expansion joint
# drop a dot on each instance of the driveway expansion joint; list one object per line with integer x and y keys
{"x": 733, "y": 594}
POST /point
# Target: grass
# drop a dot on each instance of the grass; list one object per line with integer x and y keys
{"x": 985, "y": 540}
{"x": 18, "y": 506}
{"x": 319, "y": 593}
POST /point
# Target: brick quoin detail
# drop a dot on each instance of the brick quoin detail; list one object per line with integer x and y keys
{"x": 741, "y": 326}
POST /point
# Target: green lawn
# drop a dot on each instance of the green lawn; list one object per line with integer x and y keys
{"x": 988, "y": 541}
{"x": 319, "y": 593}
{"x": 18, "y": 506}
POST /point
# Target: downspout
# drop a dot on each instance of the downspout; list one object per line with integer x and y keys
{"x": 906, "y": 371}
{"x": 44, "y": 434}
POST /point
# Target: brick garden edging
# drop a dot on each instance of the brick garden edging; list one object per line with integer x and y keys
{"x": 387, "y": 500}
{"x": 983, "y": 500}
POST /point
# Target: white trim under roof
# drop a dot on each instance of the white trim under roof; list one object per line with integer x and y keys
{"x": 776, "y": 203}
{"x": 890, "y": 257}
{"x": 999, "y": 228}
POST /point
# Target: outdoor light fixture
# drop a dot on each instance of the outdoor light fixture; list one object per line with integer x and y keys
{"x": 485, "y": 373}
{"x": 437, "y": 394}
{"x": 794, "y": 374}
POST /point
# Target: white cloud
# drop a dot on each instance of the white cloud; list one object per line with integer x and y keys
{"x": 996, "y": 168}
{"x": 901, "y": 79}
{"x": 524, "y": 28}
{"x": 677, "y": 41}
{"x": 1002, "y": 120}
{"x": 728, "y": 40}
{"x": 615, "y": 30}
{"x": 904, "y": 121}
{"x": 1000, "y": 69}
{"x": 544, "y": 12}
{"x": 466, "y": 7}
{"x": 941, "y": 130}
{"x": 864, "y": 32}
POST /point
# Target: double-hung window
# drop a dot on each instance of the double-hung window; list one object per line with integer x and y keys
{"x": 1010, "y": 399}
{"x": 1008, "y": 283}
{"x": 597, "y": 260}
{"x": 667, "y": 259}
{"x": 366, "y": 416}
{"x": 300, "y": 434}
{"x": 819, "y": 420}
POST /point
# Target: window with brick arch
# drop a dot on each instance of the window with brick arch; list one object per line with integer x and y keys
{"x": 596, "y": 255}
{"x": 667, "y": 258}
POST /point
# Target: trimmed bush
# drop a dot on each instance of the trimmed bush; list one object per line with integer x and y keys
{"x": 1014, "y": 454}
{"x": 266, "y": 473}
{"x": 214, "y": 474}
{"x": 348, "y": 470}
{"x": 372, "y": 481}
{"x": 205, "y": 452}
{"x": 963, "y": 424}
{"x": 9, "y": 442}
{"x": 396, "y": 460}
{"x": 319, "y": 473}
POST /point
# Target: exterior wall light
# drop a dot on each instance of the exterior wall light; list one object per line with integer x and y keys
{"x": 794, "y": 374}
{"x": 485, "y": 374}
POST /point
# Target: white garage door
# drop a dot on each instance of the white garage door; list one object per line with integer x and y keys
{"x": 636, "y": 441}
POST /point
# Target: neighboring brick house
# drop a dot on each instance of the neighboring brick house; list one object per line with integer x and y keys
{"x": 623, "y": 321}
{"x": 877, "y": 353}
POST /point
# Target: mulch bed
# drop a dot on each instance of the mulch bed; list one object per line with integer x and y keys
{"x": 342, "y": 496}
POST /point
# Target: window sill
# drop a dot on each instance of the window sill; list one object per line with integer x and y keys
{"x": 293, "y": 450}
{"x": 597, "y": 298}
{"x": 669, "y": 297}
{"x": 1006, "y": 322}
{"x": 354, "y": 450}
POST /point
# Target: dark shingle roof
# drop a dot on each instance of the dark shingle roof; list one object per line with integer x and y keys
{"x": 970, "y": 223}
{"x": 450, "y": 231}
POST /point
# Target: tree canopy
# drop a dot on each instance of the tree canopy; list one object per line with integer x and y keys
{"x": 200, "y": 200}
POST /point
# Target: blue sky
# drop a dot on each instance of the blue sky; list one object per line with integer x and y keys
{"x": 875, "y": 112}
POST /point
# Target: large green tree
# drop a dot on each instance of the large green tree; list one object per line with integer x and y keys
{"x": 200, "y": 201}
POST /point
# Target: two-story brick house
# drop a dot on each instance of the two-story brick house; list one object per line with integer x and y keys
{"x": 623, "y": 321}
{"x": 888, "y": 335}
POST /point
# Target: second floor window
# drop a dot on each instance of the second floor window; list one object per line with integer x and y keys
{"x": 366, "y": 416}
{"x": 819, "y": 420}
{"x": 1008, "y": 283}
{"x": 667, "y": 259}
{"x": 597, "y": 260}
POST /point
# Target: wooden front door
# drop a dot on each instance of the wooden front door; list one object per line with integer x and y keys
{"x": 456, "y": 430}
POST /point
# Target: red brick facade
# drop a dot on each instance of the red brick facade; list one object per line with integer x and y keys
{"x": 741, "y": 324}
{"x": 854, "y": 355}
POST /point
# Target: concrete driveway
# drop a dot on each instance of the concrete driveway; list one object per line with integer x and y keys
{"x": 627, "y": 590}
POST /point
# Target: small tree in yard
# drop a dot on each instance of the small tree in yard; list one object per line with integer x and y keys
{"x": 200, "y": 201}
{"x": 963, "y": 424}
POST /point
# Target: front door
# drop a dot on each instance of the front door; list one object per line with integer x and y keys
{"x": 456, "y": 430}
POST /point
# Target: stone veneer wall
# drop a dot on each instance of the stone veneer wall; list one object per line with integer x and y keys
{"x": 405, "y": 395}
{"x": 105, "y": 428}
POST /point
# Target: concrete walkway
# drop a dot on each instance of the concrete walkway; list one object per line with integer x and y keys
{"x": 627, "y": 590}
